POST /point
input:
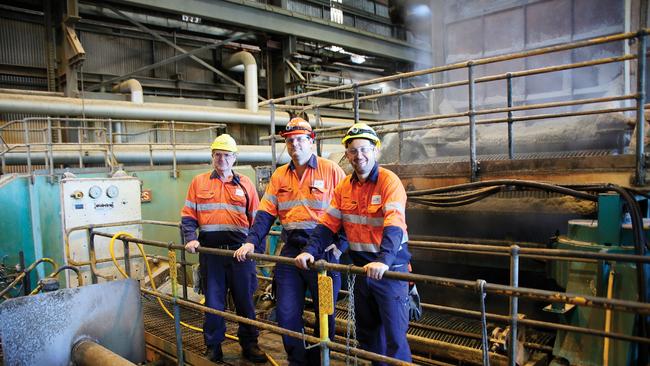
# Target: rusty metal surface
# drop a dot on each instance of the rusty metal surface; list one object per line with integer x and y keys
{"x": 41, "y": 329}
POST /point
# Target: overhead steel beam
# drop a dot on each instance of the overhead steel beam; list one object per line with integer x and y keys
{"x": 174, "y": 46}
{"x": 276, "y": 20}
{"x": 168, "y": 61}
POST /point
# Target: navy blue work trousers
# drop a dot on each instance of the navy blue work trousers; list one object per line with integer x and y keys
{"x": 381, "y": 309}
{"x": 223, "y": 274}
{"x": 291, "y": 284}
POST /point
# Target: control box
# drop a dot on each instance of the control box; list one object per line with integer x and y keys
{"x": 97, "y": 201}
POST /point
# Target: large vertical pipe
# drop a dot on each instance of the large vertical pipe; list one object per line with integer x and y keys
{"x": 133, "y": 87}
{"x": 250, "y": 76}
{"x": 640, "y": 101}
{"x": 473, "y": 165}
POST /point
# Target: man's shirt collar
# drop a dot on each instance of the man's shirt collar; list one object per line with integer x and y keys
{"x": 312, "y": 163}
{"x": 372, "y": 177}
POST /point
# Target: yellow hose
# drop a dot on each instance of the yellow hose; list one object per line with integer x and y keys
{"x": 146, "y": 263}
{"x": 153, "y": 285}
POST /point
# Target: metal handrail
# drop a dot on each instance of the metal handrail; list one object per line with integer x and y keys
{"x": 105, "y": 136}
{"x": 460, "y": 65}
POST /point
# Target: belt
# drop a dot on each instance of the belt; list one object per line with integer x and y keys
{"x": 225, "y": 246}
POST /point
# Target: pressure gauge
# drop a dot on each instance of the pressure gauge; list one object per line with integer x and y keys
{"x": 95, "y": 192}
{"x": 112, "y": 191}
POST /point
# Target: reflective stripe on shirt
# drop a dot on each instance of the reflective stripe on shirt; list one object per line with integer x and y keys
{"x": 364, "y": 220}
{"x": 224, "y": 227}
{"x": 219, "y": 206}
{"x": 364, "y": 247}
{"x": 304, "y": 225}
{"x": 317, "y": 205}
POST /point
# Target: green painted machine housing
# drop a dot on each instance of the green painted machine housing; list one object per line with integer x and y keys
{"x": 30, "y": 219}
{"x": 609, "y": 234}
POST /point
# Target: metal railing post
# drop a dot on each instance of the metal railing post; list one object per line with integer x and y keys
{"x": 356, "y": 103}
{"x": 29, "y": 152}
{"x": 274, "y": 162}
{"x": 91, "y": 254}
{"x": 640, "y": 117}
{"x": 183, "y": 261}
{"x": 79, "y": 140}
{"x": 319, "y": 124}
{"x": 50, "y": 152}
{"x": 511, "y": 146}
{"x": 109, "y": 151}
{"x": 400, "y": 134}
{"x": 514, "y": 304}
{"x": 27, "y": 280}
{"x": 173, "y": 138}
{"x": 127, "y": 261}
{"x": 325, "y": 309}
{"x": 472, "y": 122}
{"x": 171, "y": 254}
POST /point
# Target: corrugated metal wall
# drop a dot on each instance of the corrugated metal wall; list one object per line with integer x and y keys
{"x": 22, "y": 43}
{"x": 503, "y": 27}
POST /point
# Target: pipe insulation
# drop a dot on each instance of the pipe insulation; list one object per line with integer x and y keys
{"x": 133, "y": 87}
{"x": 159, "y": 155}
{"x": 96, "y": 108}
{"x": 250, "y": 76}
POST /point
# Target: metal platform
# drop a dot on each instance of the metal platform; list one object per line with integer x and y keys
{"x": 160, "y": 338}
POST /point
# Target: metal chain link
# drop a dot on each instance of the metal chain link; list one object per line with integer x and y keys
{"x": 351, "y": 327}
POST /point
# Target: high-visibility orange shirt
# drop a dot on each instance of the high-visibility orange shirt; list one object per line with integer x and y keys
{"x": 372, "y": 215}
{"x": 221, "y": 210}
{"x": 297, "y": 202}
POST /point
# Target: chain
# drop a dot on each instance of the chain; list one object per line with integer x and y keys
{"x": 351, "y": 327}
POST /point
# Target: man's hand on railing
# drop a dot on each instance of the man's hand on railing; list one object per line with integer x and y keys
{"x": 241, "y": 253}
{"x": 303, "y": 260}
{"x": 192, "y": 245}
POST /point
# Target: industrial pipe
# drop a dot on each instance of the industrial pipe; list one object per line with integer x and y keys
{"x": 154, "y": 154}
{"x": 89, "y": 353}
{"x": 61, "y": 106}
{"x": 250, "y": 76}
{"x": 133, "y": 87}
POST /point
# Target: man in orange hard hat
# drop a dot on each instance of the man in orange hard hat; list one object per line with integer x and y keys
{"x": 298, "y": 194}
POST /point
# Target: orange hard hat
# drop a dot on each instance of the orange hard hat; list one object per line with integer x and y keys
{"x": 297, "y": 126}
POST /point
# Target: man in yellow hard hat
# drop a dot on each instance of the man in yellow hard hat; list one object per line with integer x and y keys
{"x": 221, "y": 205}
{"x": 369, "y": 205}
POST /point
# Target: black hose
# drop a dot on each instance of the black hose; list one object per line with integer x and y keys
{"x": 506, "y": 182}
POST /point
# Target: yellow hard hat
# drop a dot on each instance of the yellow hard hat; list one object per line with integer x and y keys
{"x": 224, "y": 142}
{"x": 361, "y": 131}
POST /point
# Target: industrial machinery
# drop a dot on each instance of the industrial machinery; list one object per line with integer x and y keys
{"x": 88, "y": 202}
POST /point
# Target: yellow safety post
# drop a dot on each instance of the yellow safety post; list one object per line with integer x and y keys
{"x": 325, "y": 308}
{"x": 177, "y": 313}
